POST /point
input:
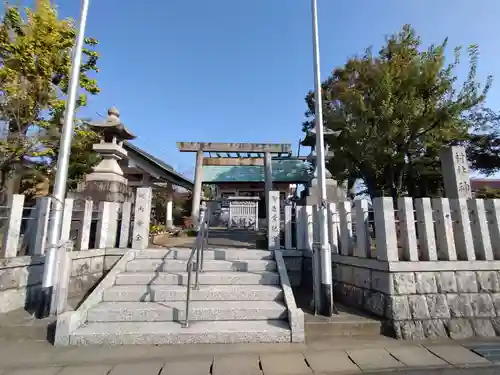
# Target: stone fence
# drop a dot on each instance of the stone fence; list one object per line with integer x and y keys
{"x": 99, "y": 233}
{"x": 426, "y": 267}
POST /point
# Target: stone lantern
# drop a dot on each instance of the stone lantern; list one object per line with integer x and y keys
{"x": 334, "y": 192}
{"x": 107, "y": 182}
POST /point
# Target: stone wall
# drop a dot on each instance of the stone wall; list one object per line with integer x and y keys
{"x": 444, "y": 299}
{"x": 293, "y": 263}
{"x": 21, "y": 277}
{"x": 363, "y": 284}
{"x": 458, "y": 304}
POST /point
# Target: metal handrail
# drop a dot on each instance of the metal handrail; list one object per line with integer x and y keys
{"x": 198, "y": 249}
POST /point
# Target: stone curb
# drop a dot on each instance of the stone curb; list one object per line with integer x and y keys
{"x": 295, "y": 315}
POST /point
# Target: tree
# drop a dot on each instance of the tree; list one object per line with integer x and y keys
{"x": 82, "y": 158}
{"x": 483, "y": 147}
{"x": 35, "y": 60}
{"x": 393, "y": 112}
{"x": 208, "y": 191}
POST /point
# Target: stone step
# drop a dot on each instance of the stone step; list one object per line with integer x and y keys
{"x": 141, "y": 265}
{"x": 206, "y": 278}
{"x": 162, "y": 293}
{"x": 158, "y": 333}
{"x": 209, "y": 254}
{"x": 176, "y": 311}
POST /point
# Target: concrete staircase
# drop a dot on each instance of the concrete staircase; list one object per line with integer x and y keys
{"x": 241, "y": 299}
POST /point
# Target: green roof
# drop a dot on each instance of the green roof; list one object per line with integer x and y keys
{"x": 292, "y": 171}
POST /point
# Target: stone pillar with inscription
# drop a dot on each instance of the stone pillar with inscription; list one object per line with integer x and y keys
{"x": 273, "y": 220}
{"x": 142, "y": 216}
{"x": 455, "y": 169}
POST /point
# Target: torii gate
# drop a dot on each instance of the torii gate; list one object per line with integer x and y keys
{"x": 255, "y": 152}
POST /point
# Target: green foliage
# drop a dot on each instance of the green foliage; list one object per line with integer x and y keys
{"x": 181, "y": 207}
{"x": 487, "y": 193}
{"x": 35, "y": 60}
{"x": 190, "y": 232}
{"x": 156, "y": 229}
{"x": 208, "y": 191}
{"x": 159, "y": 204}
{"x": 393, "y": 111}
{"x": 484, "y": 147}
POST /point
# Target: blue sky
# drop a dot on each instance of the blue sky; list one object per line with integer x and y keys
{"x": 238, "y": 71}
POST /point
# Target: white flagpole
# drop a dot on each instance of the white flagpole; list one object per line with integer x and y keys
{"x": 325, "y": 305}
{"x": 47, "y": 305}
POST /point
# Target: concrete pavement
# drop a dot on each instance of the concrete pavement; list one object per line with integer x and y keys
{"x": 28, "y": 357}
{"x": 217, "y": 237}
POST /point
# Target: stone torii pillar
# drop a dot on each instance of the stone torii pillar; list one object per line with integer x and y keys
{"x": 198, "y": 177}
{"x": 268, "y": 176}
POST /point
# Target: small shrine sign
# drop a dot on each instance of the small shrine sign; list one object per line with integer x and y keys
{"x": 455, "y": 169}
{"x": 142, "y": 216}
{"x": 273, "y": 232}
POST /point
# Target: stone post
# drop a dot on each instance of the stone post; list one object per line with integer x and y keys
{"x": 345, "y": 224}
{"x": 444, "y": 229}
{"x": 363, "y": 248}
{"x": 480, "y": 230}
{"x": 12, "y": 232}
{"x": 316, "y": 220}
{"x": 308, "y": 228}
{"x": 256, "y": 214}
{"x": 42, "y": 223}
{"x": 299, "y": 227}
{"x": 333, "y": 228}
{"x": 198, "y": 179}
{"x": 406, "y": 217}
{"x": 455, "y": 169}
{"x": 385, "y": 229}
{"x": 103, "y": 234}
{"x": 125, "y": 225}
{"x": 492, "y": 207}
{"x": 67, "y": 219}
{"x": 169, "y": 223}
{"x": 142, "y": 217}
{"x": 82, "y": 241}
{"x": 64, "y": 266}
{"x": 288, "y": 227}
{"x": 113, "y": 225}
{"x": 425, "y": 225}
{"x": 462, "y": 229}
